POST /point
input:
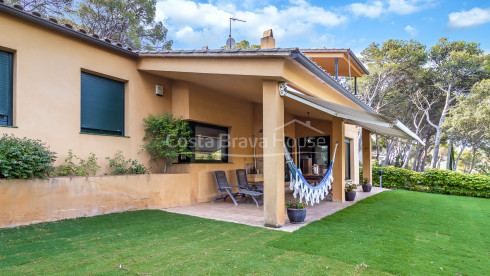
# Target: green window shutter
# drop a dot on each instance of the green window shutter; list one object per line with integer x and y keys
{"x": 102, "y": 105}
{"x": 6, "y": 88}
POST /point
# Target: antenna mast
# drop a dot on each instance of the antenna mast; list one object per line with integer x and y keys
{"x": 230, "y": 43}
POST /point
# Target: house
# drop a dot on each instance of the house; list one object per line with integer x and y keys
{"x": 77, "y": 91}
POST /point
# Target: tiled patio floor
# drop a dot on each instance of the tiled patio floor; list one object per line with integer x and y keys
{"x": 249, "y": 214}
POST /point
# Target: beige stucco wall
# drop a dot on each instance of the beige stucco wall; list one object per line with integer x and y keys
{"x": 208, "y": 106}
{"x": 31, "y": 201}
{"x": 47, "y": 91}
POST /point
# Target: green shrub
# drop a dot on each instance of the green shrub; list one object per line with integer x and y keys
{"x": 434, "y": 181}
{"x": 83, "y": 168}
{"x": 24, "y": 158}
{"x": 119, "y": 165}
{"x": 166, "y": 138}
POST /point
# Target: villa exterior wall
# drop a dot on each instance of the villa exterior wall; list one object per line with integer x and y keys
{"x": 211, "y": 107}
{"x": 47, "y": 73}
{"x": 47, "y": 106}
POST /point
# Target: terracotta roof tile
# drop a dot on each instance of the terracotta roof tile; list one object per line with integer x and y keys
{"x": 53, "y": 23}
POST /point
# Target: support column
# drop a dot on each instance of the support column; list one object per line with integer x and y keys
{"x": 338, "y": 136}
{"x": 273, "y": 122}
{"x": 367, "y": 171}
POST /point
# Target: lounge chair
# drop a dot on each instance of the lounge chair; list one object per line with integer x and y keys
{"x": 241, "y": 176}
{"x": 225, "y": 189}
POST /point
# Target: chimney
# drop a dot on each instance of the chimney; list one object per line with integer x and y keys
{"x": 268, "y": 41}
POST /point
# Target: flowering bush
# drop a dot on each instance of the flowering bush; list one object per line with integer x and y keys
{"x": 296, "y": 204}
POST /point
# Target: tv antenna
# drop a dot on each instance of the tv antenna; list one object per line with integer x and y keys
{"x": 230, "y": 42}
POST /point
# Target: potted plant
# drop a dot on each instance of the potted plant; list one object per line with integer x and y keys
{"x": 350, "y": 194}
{"x": 366, "y": 187}
{"x": 296, "y": 211}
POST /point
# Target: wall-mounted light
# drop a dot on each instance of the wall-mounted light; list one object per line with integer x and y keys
{"x": 159, "y": 90}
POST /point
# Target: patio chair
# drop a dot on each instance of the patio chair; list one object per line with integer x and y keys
{"x": 223, "y": 187}
{"x": 241, "y": 176}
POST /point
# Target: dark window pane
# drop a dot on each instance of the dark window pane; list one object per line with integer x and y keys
{"x": 209, "y": 144}
{"x": 102, "y": 105}
{"x": 347, "y": 159}
{"x": 6, "y": 88}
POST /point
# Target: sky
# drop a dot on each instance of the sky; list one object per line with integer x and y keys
{"x": 193, "y": 24}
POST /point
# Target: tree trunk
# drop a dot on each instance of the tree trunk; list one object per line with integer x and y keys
{"x": 426, "y": 152}
{"x": 408, "y": 157}
{"x": 459, "y": 157}
{"x": 416, "y": 159}
{"x": 386, "y": 162}
{"x": 449, "y": 148}
{"x": 472, "y": 159}
{"x": 437, "y": 144}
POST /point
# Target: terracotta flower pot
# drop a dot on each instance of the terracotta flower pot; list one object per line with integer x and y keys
{"x": 296, "y": 215}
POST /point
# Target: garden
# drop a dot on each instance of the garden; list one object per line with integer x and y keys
{"x": 395, "y": 232}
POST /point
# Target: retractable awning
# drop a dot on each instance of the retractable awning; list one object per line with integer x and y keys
{"x": 374, "y": 122}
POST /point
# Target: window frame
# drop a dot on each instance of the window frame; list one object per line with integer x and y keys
{"x": 224, "y": 158}
{"x": 10, "y": 92}
{"x": 348, "y": 173}
{"x": 104, "y": 132}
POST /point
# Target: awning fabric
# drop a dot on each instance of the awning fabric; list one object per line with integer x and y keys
{"x": 374, "y": 122}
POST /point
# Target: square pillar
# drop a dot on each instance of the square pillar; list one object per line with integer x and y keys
{"x": 367, "y": 169}
{"x": 273, "y": 125}
{"x": 338, "y": 136}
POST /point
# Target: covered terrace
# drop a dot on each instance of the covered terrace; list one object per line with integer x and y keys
{"x": 270, "y": 94}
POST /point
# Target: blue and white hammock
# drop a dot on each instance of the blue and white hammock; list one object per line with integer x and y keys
{"x": 306, "y": 192}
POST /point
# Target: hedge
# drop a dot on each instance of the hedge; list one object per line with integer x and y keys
{"x": 433, "y": 181}
{"x": 24, "y": 158}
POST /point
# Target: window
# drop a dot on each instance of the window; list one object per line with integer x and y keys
{"x": 316, "y": 148}
{"x": 6, "y": 88}
{"x": 102, "y": 105}
{"x": 347, "y": 160}
{"x": 209, "y": 144}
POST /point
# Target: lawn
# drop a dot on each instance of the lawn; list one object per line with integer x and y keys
{"x": 397, "y": 232}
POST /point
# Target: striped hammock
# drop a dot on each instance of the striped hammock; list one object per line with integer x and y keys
{"x": 310, "y": 194}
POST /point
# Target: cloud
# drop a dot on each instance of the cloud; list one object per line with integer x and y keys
{"x": 194, "y": 25}
{"x": 411, "y": 30}
{"x": 471, "y": 18}
{"x": 371, "y": 10}
{"x": 295, "y": 23}
{"x": 407, "y": 6}
{"x": 374, "y": 9}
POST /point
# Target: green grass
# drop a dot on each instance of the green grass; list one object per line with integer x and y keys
{"x": 403, "y": 232}
{"x": 397, "y": 232}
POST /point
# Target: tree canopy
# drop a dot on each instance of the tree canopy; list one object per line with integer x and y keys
{"x": 47, "y": 7}
{"x": 424, "y": 87}
{"x": 130, "y": 22}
